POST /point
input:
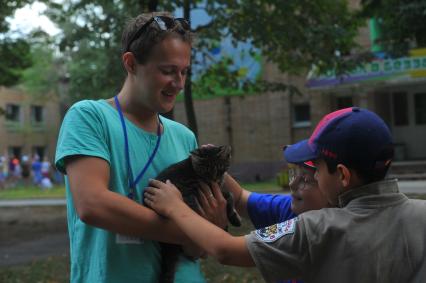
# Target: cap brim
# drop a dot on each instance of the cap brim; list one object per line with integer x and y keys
{"x": 309, "y": 164}
{"x": 299, "y": 152}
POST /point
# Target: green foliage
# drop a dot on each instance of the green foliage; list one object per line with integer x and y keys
{"x": 219, "y": 80}
{"x": 14, "y": 57}
{"x": 402, "y": 23}
{"x": 294, "y": 34}
{"x": 14, "y": 53}
{"x": 43, "y": 76}
{"x": 93, "y": 72}
{"x": 224, "y": 79}
{"x": 90, "y": 44}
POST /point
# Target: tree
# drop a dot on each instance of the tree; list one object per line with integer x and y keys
{"x": 43, "y": 76}
{"x": 294, "y": 34}
{"x": 402, "y": 23}
{"x": 14, "y": 53}
{"x": 14, "y": 57}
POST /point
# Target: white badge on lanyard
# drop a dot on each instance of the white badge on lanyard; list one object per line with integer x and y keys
{"x": 124, "y": 239}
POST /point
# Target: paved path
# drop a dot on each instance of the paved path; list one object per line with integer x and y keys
{"x": 32, "y": 202}
{"x": 412, "y": 187}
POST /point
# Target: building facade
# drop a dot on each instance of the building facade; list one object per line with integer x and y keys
{"x": 29, "y": 124}
{"x": 258, "y": 126}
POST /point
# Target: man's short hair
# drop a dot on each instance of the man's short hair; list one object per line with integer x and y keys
{"x": 142, "y": 45}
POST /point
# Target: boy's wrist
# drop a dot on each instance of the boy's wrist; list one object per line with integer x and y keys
{"x": 177, "y": 209}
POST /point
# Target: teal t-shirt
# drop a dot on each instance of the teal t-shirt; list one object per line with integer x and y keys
{"x": 93, "y": 128}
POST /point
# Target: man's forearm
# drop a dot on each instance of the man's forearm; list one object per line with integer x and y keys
{"x": 121, "y": 215}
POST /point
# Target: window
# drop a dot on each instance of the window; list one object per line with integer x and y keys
{"x": 301, "y": 115}
{"x": 420, "y": 108}
{"x": 36, "y": 114}
{"x": 344, "y": 102}
{"x": 400, "y": 109}
{"x": 13, "y": 112}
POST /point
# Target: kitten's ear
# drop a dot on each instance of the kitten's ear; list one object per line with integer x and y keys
{"x": 225, "y": 151}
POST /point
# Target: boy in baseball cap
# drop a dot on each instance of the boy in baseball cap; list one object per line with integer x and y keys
{"x": 353, "y": 143}
{"x": 376, "y": 234}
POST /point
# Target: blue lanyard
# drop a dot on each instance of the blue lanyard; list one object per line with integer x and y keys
{"x": 132, "y": 183}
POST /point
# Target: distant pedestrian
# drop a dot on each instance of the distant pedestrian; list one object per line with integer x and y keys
{"x": 46, "y": 183}
{"x": 25, "y": 169}
{"x": 45, "y": 167}
{"x": 3, "y": 163}
{"x": 15, "y": 172}
{"x": 36, "y": 170}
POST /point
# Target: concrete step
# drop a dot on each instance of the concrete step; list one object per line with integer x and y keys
{"x": 408, "y": 170}
{"x": 408, "y": 176}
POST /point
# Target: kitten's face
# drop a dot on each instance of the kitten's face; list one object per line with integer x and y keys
{"x": 211, "y": 162}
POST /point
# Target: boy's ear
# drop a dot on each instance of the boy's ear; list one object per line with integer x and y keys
{"x": 345, "y": 175}
{"x": 129, "y": 62}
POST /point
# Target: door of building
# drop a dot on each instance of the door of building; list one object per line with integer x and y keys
{"x": 408, "y": 113}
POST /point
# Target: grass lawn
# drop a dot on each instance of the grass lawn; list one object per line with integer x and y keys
{"x": 56, "y": 269}
{"x": 59, "y": 191}
{"x": 50, "y": 270}
{"x": 31, "y": 193}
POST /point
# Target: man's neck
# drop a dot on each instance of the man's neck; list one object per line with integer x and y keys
{"x": 136, "y": 112}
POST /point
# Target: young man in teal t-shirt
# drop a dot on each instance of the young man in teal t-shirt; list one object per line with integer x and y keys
{"x": 109, "y": 149}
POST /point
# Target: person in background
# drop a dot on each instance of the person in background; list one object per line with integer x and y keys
{"x": 36, "y": 170}
{"x": 3, "y": 173}
{"x": 45, "y": 167}
{"x": 26, "y": 172}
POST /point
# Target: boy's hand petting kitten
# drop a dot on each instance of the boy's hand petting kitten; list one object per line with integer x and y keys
{"x": 163, "y": 197}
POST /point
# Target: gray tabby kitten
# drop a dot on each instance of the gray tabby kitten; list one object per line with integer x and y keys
{"x": 207, "y": 165}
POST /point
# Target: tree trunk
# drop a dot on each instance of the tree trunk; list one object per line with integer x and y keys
{"x": 189, "y": 105}
{"x": 152, "y": 5}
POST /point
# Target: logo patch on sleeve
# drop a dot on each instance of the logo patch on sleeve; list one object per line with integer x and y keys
{"x": 276, "y": 231}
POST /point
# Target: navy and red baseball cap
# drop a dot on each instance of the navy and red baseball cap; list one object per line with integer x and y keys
{"x": 352, "y": 134}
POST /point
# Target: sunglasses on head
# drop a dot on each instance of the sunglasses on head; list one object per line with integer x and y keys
{"x": 164, "y": 23}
